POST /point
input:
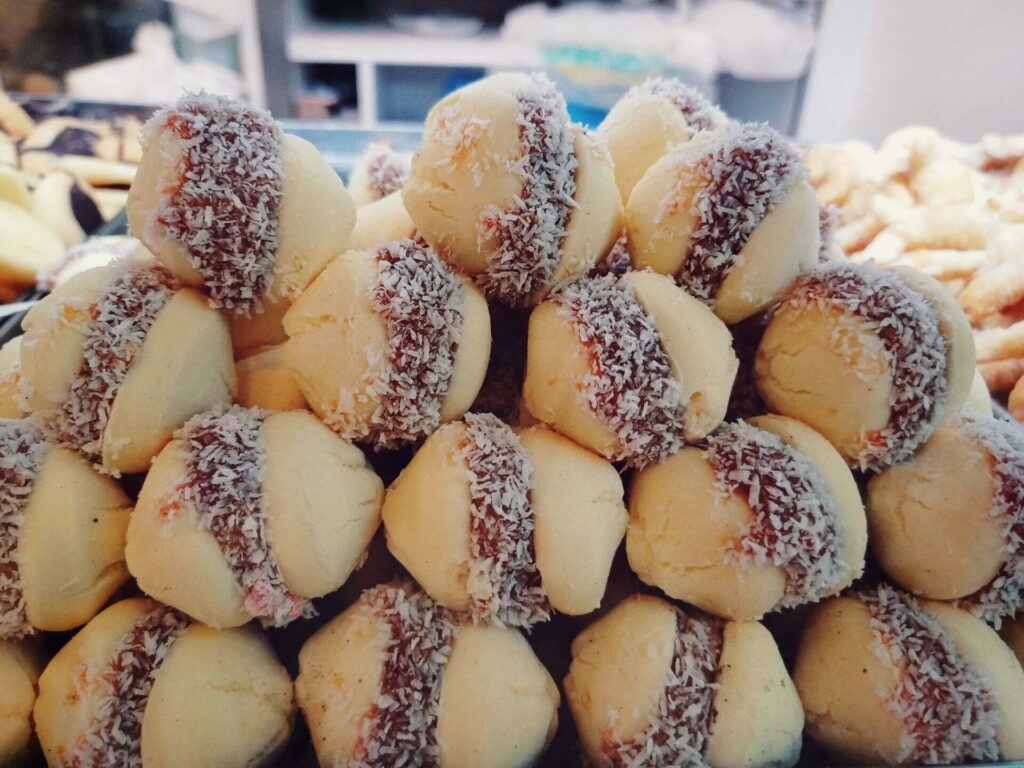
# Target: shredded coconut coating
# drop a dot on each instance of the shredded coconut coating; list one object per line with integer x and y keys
{"x": 386, "y": 170}
{"x": 224, "y": 211}
{"x": 828, "y": 223}
{"x": 22, "y": 450}
{"x": 677, "y": 732}
{"x": 698, "y": 111}
{"x": 948, "y": 711}
{"x": 114, "y": 736}
{"x": 226, "y": 457}
{"x": 420, "y": 300}
{"x": 120, "y": 321}
{"x": 630, "y": 387}
{"x": 912, "y": 343}
{"x": 617, "y": 261}
{"x": 504, "y": 581}
{"x": 745, "y": 173}
{"x": 796, "y": 523}
{"x": 523, "y": 241}
{"x": 1004, "y": 442}
{"x": 401, "y": 728}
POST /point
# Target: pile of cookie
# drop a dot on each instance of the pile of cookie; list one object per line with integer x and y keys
{"x": 61, "y": 178}
{"x": 617, "y": 384}
{"x": 954, "y": 211}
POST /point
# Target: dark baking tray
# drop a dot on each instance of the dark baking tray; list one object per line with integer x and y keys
{"x": 550, "y": 641}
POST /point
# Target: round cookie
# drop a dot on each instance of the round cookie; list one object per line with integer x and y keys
{"x": 648, "y": 121}
{"x": 872, "y": 359}
{"x": 95, "y": 252}
{"x": 230, "y": 203}
{"x": 979, "y": 398}
{"x": 650, "y": 685}
{"x": 11, "y": 401}
{"x": 766, "y": 515}
{"x": 387, "y": 345}
{"x": 729, "y": 216}
{"x": 508, "y": 190}
{"x": 250, "y": 514}
{"x": 264, "y": 381}
{"x": 381, "y": 171}
{"x": 27, "y": 247}
{"x": 381, "y": 222}
{"x": 397, "y": 680}
{"x": 119, "y": 357}
{"x": 67, "y": 206}
{"x": 143, "y": 685}
{"x": 885, "y": 678}
{"x": 507, "y": 526}
{"x": 629, "y": 367}
{"x": 949, "y": 523}
{"x": 62, "y": 533}
{"x": 20, "y": 665}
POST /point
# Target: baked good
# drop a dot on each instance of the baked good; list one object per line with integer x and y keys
{"x": 264, "y": 381}
{"x": 8, "y": 150}
{"x": 978, "y": 397}
{"x": 11, "y": 402}
{"x": 62, "y": 529}
{"x": 20, "y": 665}
{"x": 651, "y": 119}
{"x": 14, "y": 120}
{"x": 949, "y": 523}
{"x": 766, "y": 515}
{"x": 508, "y": 190}
{"x": 397, "y": 680}
{"x": 119, "y": 357}
{"x": 507, "y": 526}
{"x": 629, "y": 367}
{"x": 730, "y": 216}
{"x": 232, "y": 204}
{"x": 110, "y": 201}
{"x": 67, "y": 206}
{"x": 872, "y": 359}
{"x": 381, "y": 171}
{"x": 651, "y": 686}
{"x": 95, "y": 252}
{"x": 381, "y": 222}
{"x": 250, "y": 514}
{"x": 13, "y": 186}
{"x": 886, "y": 678}
{"x": 27, "y": 247}
{"x": 56, "y": 137}
{"x": 388, "y": 344}
{"x": 143, "y": 685}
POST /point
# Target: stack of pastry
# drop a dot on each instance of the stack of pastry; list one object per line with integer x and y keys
{"x": 536, "y": 332}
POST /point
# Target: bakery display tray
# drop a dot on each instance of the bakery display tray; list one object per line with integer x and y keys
{"x": 551, "y": 640}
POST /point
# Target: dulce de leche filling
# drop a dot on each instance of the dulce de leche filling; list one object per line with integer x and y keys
{"x": 225, "y": 457}
{"x": 523, "y": 240}
{"x": 22, "y": 450}
{"x": 1004, "y": 443}
{"x": 504, "y": 581}
{"x": 401, "y": 726}
{"x": 223, "y": 212}
{"x": 124, "y": 682}
{"x": 677, "y": 731}
{"x": 795, "y": 519}
{"x": 630, "y": 386}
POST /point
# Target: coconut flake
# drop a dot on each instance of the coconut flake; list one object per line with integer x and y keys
{"x": 22, "y": 450}
{"x": 742, "y": 176}
{"x": 225, "y": 459}
{"x": 420, "y": 300}
{"x": 523, "y": 240}
{"x": 699, "y": 113}
{"x": 630, "y": 387}
{"x": 828, "y": 223}
{"x": 386, "y": 170}
{"x": 912, "y": 344}
{"x": 1004, "y": 442}
{"x": 224, "y": 212}
{"x": 796, "y": 523}
{"x": 677, "y": 731}
{"x": 948, "y": 710}
{"x": 401, "y": 727}
{"x": 119, "y": 322}
{"x": 617, "y": 261}
{"x": 504, "y": 581}
{"x": 122, "y": 685}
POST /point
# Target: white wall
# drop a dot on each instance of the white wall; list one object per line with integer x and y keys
{"x": 880, "y": 64}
